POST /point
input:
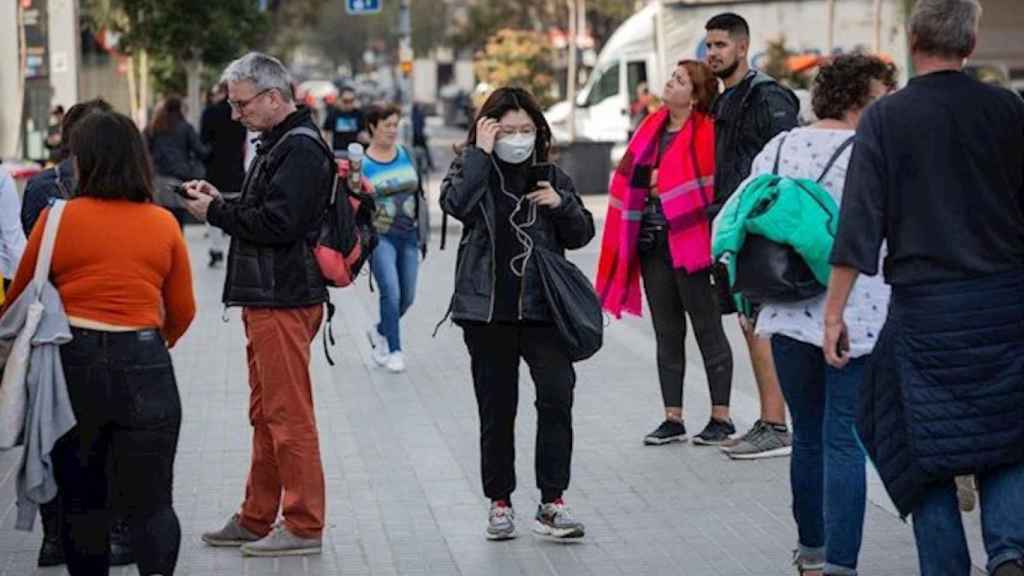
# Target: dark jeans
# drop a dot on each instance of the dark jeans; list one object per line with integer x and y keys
{"x": 119, "y": 458}
{"x": 495, "y": 350}
{"x": 827, "y": 474}
{"x": 939, "y": 528}
{"x": 672, "y": 295}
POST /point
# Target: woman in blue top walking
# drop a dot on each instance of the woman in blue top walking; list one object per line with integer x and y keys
{"x": 392, "y": 171}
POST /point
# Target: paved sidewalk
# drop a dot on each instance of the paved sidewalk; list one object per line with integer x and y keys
{"x": 402, "y": 462}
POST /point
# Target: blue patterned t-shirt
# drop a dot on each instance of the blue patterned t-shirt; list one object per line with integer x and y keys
{"x": 395, "y": 185}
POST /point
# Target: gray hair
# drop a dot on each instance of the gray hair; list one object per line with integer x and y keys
{"x": 947, "y": 28}
{"x": 265, "y": 72}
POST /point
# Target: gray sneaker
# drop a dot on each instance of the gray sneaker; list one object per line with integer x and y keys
{"x": 281, "y": 542}
{"x": 556, "y": 520}
{"x": 501, "y": 521}
{"x": 231, "y": 535}
{"x": 767, "y": 442}
{"x": 731, "y": 443}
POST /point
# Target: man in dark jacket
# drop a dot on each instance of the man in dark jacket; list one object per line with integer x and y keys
{"x": 273, "y": 276}
{"x": 753, "y": 109}
{"x": 59, "y": 181}
{"x": 225, "y": 166}
{"x": 943, "y": 395}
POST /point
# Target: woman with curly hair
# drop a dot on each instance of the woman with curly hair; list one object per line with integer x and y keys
{"x": 827, "y": 467}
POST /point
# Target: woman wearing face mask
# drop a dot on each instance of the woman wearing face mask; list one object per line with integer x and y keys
{"x": 510, "y": 203}
{"x": 667, "y": 180}
{"x": 392, "y": 171}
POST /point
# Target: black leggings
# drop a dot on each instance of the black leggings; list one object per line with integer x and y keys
{"x": 672, "y": 295}
{"x": 120, "y": 456}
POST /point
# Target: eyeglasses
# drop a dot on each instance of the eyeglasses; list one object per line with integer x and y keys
{"x": 512, "y": 130}
{"x": 240, "y": 105}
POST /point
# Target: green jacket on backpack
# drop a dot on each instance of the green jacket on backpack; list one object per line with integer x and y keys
{"x": 797, "y": 212}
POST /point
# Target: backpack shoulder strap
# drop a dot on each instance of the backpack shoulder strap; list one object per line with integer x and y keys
{"x": 835, "y": 157}
{"x": 316, "y": 137}
{"x": 307, "y": 132}
{"x": 778, "y": 155}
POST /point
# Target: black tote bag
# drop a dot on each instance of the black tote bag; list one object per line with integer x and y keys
{"x": 573, "y": 303}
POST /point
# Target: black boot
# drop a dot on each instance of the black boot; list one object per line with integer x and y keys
{"x": 121, "y": 544}
{"x": 52, "y": 551}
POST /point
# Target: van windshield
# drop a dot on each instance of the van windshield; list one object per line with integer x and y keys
{"x": 605, "y": 86}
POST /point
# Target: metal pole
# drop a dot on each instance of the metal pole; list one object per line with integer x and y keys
{"x": 571, "y": 80}
{"x": 878, "y": 26}
{"x": 830, "y": 19}
{"x": 405, "y": 54}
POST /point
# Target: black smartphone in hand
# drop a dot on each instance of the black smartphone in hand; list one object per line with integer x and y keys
{"x": 180, "y": 190}
{"x": 541, "y": 173}
{"x": 642, "y": 177}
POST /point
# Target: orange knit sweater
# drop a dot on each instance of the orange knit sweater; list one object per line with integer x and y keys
{"x": 117, "y": 262}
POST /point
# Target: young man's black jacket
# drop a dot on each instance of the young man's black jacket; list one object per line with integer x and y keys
{"x": 467, "y": 194}
{"x": 747, "y": 118}
{"x": 275, "y": 223}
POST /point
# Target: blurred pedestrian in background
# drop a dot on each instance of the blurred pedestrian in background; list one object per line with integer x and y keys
{"x": 177, "y": 154}
{"x": 225, "y": 166}
{"x": 345, "y": 122}
{"x": 12, "y": 237}
{"x": 391, "y": 169}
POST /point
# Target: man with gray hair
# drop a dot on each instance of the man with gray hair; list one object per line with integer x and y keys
{"x": 937, "y": 171}
{"x": 273, "y": 276}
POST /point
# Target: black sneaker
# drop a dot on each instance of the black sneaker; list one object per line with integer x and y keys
{"x": 669, "y": 431}
{"x": 716, "y": 432}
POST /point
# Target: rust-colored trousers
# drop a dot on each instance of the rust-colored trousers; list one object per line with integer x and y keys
{"x": 286, "y": 471}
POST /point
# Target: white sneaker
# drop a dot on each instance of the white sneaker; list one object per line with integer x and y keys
{"x": 396, "y": 362}
{"x": 379, "y": 345}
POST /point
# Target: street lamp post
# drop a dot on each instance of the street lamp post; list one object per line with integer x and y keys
{"x": 571, "y": 80}
{"x": 830, "y": 19}
{"x": 878, "y": 26}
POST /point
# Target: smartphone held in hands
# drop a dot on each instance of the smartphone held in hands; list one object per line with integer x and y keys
{"x": 180, "y": 190}
{"x": 541, "y": 173}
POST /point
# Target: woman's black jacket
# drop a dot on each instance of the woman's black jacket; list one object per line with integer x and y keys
{"x": 467, "y": 195}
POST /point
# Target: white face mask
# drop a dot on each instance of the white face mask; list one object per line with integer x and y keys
{"x": 515, "y": 149}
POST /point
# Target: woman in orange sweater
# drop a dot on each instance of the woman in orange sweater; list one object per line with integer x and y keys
{"x": 122, "y": 270}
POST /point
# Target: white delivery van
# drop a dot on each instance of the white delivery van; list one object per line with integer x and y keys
{"x": 647, "y": 46}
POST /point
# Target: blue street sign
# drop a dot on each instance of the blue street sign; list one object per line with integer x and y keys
{"x": 362, "y": 6}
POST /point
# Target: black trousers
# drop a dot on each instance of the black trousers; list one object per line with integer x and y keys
{"x": 120, "y": 456}
{"x": 673, "y": 294}
{"x": 495, "y": 351}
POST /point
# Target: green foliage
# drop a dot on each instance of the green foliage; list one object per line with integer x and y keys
{"x": 175, "y": 33}
{"x": 484, "y": 19}
{"x": 518, "y": 58}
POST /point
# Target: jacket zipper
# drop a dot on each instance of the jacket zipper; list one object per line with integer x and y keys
{"x": 494, "y": 257}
